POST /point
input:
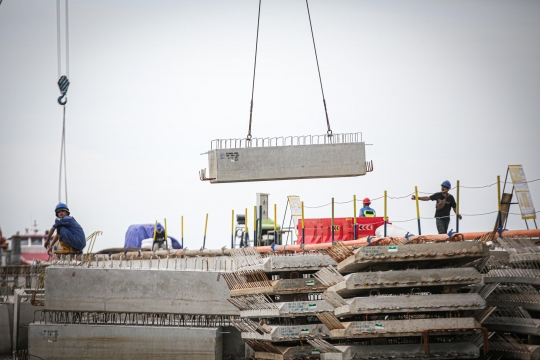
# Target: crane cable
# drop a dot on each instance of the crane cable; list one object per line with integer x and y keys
{"x": 329, "y": 131}
{"x": 254, "y": 68}
{"x": 63, "y": 84}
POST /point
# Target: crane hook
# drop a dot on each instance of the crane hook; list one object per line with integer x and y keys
{"x": 63, "y": 96}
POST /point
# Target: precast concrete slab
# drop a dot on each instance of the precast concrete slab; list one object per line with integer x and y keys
{"x": 394, "y": 328}
{"x": 284, "y": 287}
{"x": 68, "y": 341}
{"x": 526, "y": 326}
{"x": 358, "y": 283}
{"x": 290, "y": 353}
{"x": 286, "y": 162}
{"x": 290, "y": 309}
{"x": 526, "y": 301}
{"x": 410, "y": 304}
{"x": 6, "y": 327}
{"x": 289, "y": 333}
{"x": 455, "y": 252}
{"x": 514, "y": 351}
{"x": 125, "y": 290}
{"x": 274, "y": 264}
{"x": 516, "y": 276}
{"x": 462, "y": 350}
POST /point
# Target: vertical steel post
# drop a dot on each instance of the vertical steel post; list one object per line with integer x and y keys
{"x": 354, "y": 217}
{"x": 275, "y": 225}
{"x": 232, "y": 231}
{"x": 457, "y": 207}
{"x": 260, "y": 228}
{"x": 499, "y": 219}
{"x": 303, "y": 228}
{"x": 246, "y": 229}
{"x": 205, "y": 227}
{"x": 417, "y": 210}
{"x": 385, "y": 218}
{"x": 332, "y": 221}
{"x": 166, "y": 238}
{"x": 182, "y": 232}
{"x": 255, "y": 239}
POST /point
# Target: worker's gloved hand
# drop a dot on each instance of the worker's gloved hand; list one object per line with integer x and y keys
{"x": 413, "y": 197}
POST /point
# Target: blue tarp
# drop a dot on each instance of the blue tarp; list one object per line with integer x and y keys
{"x": 135, "y": 234}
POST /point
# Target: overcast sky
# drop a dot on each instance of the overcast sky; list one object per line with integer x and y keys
{"x": 442, "y": 89}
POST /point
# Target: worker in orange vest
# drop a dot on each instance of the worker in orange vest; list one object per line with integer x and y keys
{"x": 366, "y": 211}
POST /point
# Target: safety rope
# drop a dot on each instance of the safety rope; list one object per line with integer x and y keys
{"x": 329, "y": 131}
{"x": 63, "y": 84}
{"x": 254, "y": 68}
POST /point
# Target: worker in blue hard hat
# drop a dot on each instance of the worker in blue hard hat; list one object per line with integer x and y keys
{"x": 367, "y": 211}
{"x": 69, "y": 234}
{"x": 444, "y": 203}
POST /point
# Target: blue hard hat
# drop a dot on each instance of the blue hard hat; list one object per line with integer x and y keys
{"x": 61, "y": 206}
{"x": 446, "y": 183}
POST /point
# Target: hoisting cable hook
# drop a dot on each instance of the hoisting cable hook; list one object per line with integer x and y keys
{"x": 63, "y": 85}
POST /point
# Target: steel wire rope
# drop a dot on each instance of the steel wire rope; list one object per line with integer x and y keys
{"x": 329, "y": 131}
{"x": 254, "y": 69}
{"x": 63, "y": 152}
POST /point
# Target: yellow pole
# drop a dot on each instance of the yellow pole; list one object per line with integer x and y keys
{"x": 254, "y": 217}
{"x": 165, "y": 223}
{"x": 354, "y": 217}
{"x": 205, "y": 227}
{"x": 499, "y": 193}
{"x": 155, "y": 230}
{"x": 457, "y": 206}
{"x": 232, "y": 230}
{"x": 302, "y": 214}
{"x": 332, "y": 220}
{"x": 246, "y": 222}
{"x": 417, "y": 206}
{"x": 182, "y": 221}
{"x": 417, "y": 210}
{"x": 275, "y": 218}
{"x": 385, "y": 218}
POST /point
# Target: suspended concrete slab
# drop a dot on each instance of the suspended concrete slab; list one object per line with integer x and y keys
{"x": 458, "y": 252}
{"x": 280, "y": 287}
{"x": 398, "y": 328}
{"x": 460, "y": 350}
{"x": 286, "y": 158}
{"x": 290, "y": 309}
{"x": 358, "y": 283}
{"x": 287, "y": 353}
{"x": 289, "y": 333}
{"x": 410, "y": 304}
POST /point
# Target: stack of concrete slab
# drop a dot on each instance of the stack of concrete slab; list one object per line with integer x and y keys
{"x": 393, "y": 300}
{"x": 279, "y": 299}
{"x": 121, "y": 311}
{"x": 512, "y": 292}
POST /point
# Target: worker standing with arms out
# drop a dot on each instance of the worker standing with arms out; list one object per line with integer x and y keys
{"x": 70, "y": 234}
{"x": 366, "y": 211}
{"x": 444, "y": 202}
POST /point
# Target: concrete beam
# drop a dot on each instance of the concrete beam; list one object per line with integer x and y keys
{"x": 275, "y": 264}
{"x": 286, "y": 162}
{"x": 287, "y": 353}
{"x": 516, "y": 276}
{"x": 396, "y": 328}
{"x": 409, "y": 351}
{"x": 524, "y": 326}
{"x": 284, "y": 287}
{"x": 290, "y": 333}
{"x": 391, "y": 256}
{"x": 68, "y": 341}
{"x": 290, "y": 309}
{"x": 124, "y": 290}
{"x": 358, "y": 283}
{"x": 410, "y": 304}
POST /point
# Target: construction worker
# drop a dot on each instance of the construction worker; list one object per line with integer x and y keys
{"x": 444, "y": 202}
{"x": 70, "y": 235}
{"x": 159, "y": 239}
{"x": 366, "y": 211}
